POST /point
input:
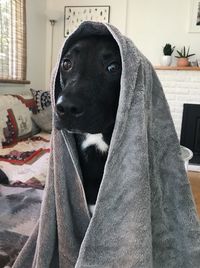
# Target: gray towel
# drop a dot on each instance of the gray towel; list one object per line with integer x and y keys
{"x": 145, "y": 215}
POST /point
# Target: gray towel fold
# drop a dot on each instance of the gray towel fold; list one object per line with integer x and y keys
{"x": 145, "y": 215}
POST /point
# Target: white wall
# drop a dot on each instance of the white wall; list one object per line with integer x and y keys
{"x": 149, "y": 23}
{"x": 36, "y": 43}
{"x": 117, "y": 18}
{"x": 36, "y": 49}
{"x": 152, "y": 23}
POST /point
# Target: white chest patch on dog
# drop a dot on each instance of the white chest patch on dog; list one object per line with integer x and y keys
{"x": 95, "y": 140}
{"x": 92, "y": 208}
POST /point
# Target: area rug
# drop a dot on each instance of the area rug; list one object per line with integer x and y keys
{"x": 19, "y": 211}
{"x": 20, "y": 158}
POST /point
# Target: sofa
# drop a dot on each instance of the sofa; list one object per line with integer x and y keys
{"x": 25, "y": 132}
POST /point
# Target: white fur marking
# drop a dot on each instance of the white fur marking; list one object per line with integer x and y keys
{"x": 96, "y": 140}
{"x": 92, "y": 208}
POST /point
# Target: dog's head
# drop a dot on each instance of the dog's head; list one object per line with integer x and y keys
{"x": 90, "y": 72}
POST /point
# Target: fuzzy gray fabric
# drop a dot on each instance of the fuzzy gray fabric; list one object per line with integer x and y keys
{"x": 145, "y": 215}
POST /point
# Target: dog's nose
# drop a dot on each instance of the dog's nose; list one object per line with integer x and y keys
{"x": 66, "y": 107}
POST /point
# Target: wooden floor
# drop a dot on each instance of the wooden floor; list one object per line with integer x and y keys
{"x": 195, "y": 184}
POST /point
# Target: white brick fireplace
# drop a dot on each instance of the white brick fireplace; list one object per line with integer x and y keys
{"x": 180, "y": 86}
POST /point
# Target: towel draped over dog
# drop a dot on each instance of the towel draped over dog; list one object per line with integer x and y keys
{"x": 145, "y": 215}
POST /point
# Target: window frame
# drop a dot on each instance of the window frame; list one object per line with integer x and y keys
{"x": 23, "y": 55}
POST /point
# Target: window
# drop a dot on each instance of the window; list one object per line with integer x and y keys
{"x": 12, "y": 41}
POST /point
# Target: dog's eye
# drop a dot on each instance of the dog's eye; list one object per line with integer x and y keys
{"x": 113, "y": 67}
{"x": 67, "y": 64}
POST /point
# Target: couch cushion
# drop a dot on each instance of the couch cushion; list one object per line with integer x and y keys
{"x": 15, "y": 118}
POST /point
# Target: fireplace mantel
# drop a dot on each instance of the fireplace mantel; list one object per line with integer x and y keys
{"x": 176, "y": 68}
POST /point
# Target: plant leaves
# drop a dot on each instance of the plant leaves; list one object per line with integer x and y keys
{"x": 180, "y": 53}
{"x": 190, "y": 55}
{"x": 184, "y": 52}
{"x": 188, "y": 51}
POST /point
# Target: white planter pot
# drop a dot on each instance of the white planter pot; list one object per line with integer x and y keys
{"x": 166, "y": 60}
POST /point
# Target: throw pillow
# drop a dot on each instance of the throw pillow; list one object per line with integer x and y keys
{"x": 44, "y": 119}
{"x": 43, "y": 115}
{"x": 42, "y": 99}
{"x": 15, "y": 118}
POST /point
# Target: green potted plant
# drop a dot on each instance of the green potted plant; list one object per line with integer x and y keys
{"x": 167, "y": 57}
{"x": 183, "y": 56}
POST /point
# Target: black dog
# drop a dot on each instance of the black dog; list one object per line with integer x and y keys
{"x": 90, "y": 72}
{"x": 3, "y": 178}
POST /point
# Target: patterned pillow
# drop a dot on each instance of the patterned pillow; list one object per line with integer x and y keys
{"x": 15, "y": 118}
{"x": 43, "y": 116}
{"x": 42, "y": 99}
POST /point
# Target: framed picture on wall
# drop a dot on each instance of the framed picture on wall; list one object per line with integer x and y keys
{"x": 75, "y": 15}
{"x": 194, "y": 26}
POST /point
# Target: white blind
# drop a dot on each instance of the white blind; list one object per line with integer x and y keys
{"x": 12, "y": 40}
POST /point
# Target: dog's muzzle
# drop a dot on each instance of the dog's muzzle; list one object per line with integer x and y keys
{"x": 68, "y": 107}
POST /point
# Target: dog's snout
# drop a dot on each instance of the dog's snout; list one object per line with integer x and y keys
{"x": 67, "y": 107}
